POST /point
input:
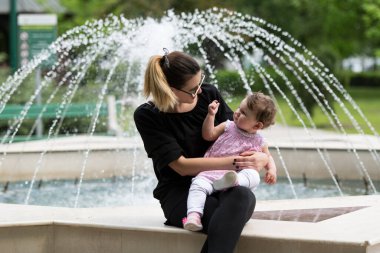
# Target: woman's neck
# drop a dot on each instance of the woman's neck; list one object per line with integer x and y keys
{"x": 185, "y": 107}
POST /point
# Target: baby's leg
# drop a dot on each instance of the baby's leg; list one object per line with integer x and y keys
{"x": 249, "y": 178}
{"x": 199, "y": 189}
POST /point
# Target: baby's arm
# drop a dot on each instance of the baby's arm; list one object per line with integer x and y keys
{"x": 271, "y": 175}
{"x": 209, "y": 131}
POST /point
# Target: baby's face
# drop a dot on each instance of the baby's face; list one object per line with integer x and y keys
{"x": 245, "y": 119}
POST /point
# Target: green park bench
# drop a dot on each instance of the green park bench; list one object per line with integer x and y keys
{"x": 51, "y": 111}
{"x": 13, "y": 111}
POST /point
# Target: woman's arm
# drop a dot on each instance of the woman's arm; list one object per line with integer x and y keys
{"x": 192, "y": 166}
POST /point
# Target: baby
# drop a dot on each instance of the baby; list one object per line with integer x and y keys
{"x": 256, "y": 112}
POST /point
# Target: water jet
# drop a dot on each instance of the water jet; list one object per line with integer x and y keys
{"x": 108, "y": 57}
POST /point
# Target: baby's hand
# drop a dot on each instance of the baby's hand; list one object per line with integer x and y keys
{"x": 213, "y": 107}
{"x": 271, "y": 177}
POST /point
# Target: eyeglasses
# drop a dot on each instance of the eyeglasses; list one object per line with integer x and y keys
{"x": 195, "y": 90}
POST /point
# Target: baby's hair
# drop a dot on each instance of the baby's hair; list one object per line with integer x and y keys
{"x": 262, "y": 107}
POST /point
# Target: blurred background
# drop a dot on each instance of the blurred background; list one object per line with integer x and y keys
{"x": 344, "y": 35}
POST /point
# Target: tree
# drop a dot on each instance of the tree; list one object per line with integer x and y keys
{"x": 371, "y": 18}
{"x": 331, "y": 29}
{"x": 78, "y": 12}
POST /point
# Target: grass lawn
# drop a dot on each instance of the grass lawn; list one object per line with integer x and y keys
{"x": 368, "y": 100}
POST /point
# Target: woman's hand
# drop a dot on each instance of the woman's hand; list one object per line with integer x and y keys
{"x": 252, "y": 159}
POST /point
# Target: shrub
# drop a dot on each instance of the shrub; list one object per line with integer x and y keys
{"x": 230, "y": 83}
{"x": 367, "y": 79}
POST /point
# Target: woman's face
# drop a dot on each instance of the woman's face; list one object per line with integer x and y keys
{"x": 191, "y": 89}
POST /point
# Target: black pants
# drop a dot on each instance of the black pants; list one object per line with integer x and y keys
{"x": 224, "y": 217}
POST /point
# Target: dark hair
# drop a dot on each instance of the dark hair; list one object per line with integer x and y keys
{"x": 263, "y": 108}
{"x": 178, "y": 68}
{"x": 163, "y": 72}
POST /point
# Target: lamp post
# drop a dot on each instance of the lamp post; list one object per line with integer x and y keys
{"x": 13, "y": 42}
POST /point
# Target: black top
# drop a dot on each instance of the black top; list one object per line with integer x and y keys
{"x": 167, "y": 136}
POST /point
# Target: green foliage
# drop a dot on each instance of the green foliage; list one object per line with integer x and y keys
{"x": 81, "y": 11}
{"x": 75, "y": 125}
{"x": 366, "y": 98}
{"x": 3, "y": 57}
{"x": 344, "y": 77}
{"x": 331, "y": 29}
{"x": 230, "y": 83}
{"x": 367, "y": 79}
{"x": 310, "y": 102}
{"x": 371, "y": 19}
{"x": 4, "y": 73}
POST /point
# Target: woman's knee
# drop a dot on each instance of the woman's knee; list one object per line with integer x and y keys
{"x": 242, "y": 193}
{"x": 244, "y": 196}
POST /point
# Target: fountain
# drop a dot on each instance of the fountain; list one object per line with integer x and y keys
{"x": 104, "y": 60}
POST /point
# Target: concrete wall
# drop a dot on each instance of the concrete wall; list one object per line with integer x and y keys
{"x": 69, "y": 164}
{"x": 64, "y": 158}
{"x": 309, "y": 162}
{"x": 56, "y": 238}
{"x": 108, "y": 163}
{"x": 31, "y": 239}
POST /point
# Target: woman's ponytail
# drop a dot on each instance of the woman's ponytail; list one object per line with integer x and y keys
{"x": 156, "y": 85}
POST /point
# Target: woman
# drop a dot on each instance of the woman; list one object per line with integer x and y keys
{"x": 171, "y": 128}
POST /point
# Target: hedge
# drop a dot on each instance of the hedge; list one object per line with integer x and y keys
{"x": 367, "y": 79}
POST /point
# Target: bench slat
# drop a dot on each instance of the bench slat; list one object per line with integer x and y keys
{"x": 51, "y": 110}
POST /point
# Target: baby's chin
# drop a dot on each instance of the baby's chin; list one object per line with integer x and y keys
{"x": 237, "y": 124}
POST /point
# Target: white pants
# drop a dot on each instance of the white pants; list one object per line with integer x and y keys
{"x": 201, "y": 187}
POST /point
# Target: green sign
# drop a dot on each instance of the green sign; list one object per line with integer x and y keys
{"x": 36, "y": 32}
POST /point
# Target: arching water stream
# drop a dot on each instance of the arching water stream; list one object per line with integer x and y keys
{"x": 108, "y": 57}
